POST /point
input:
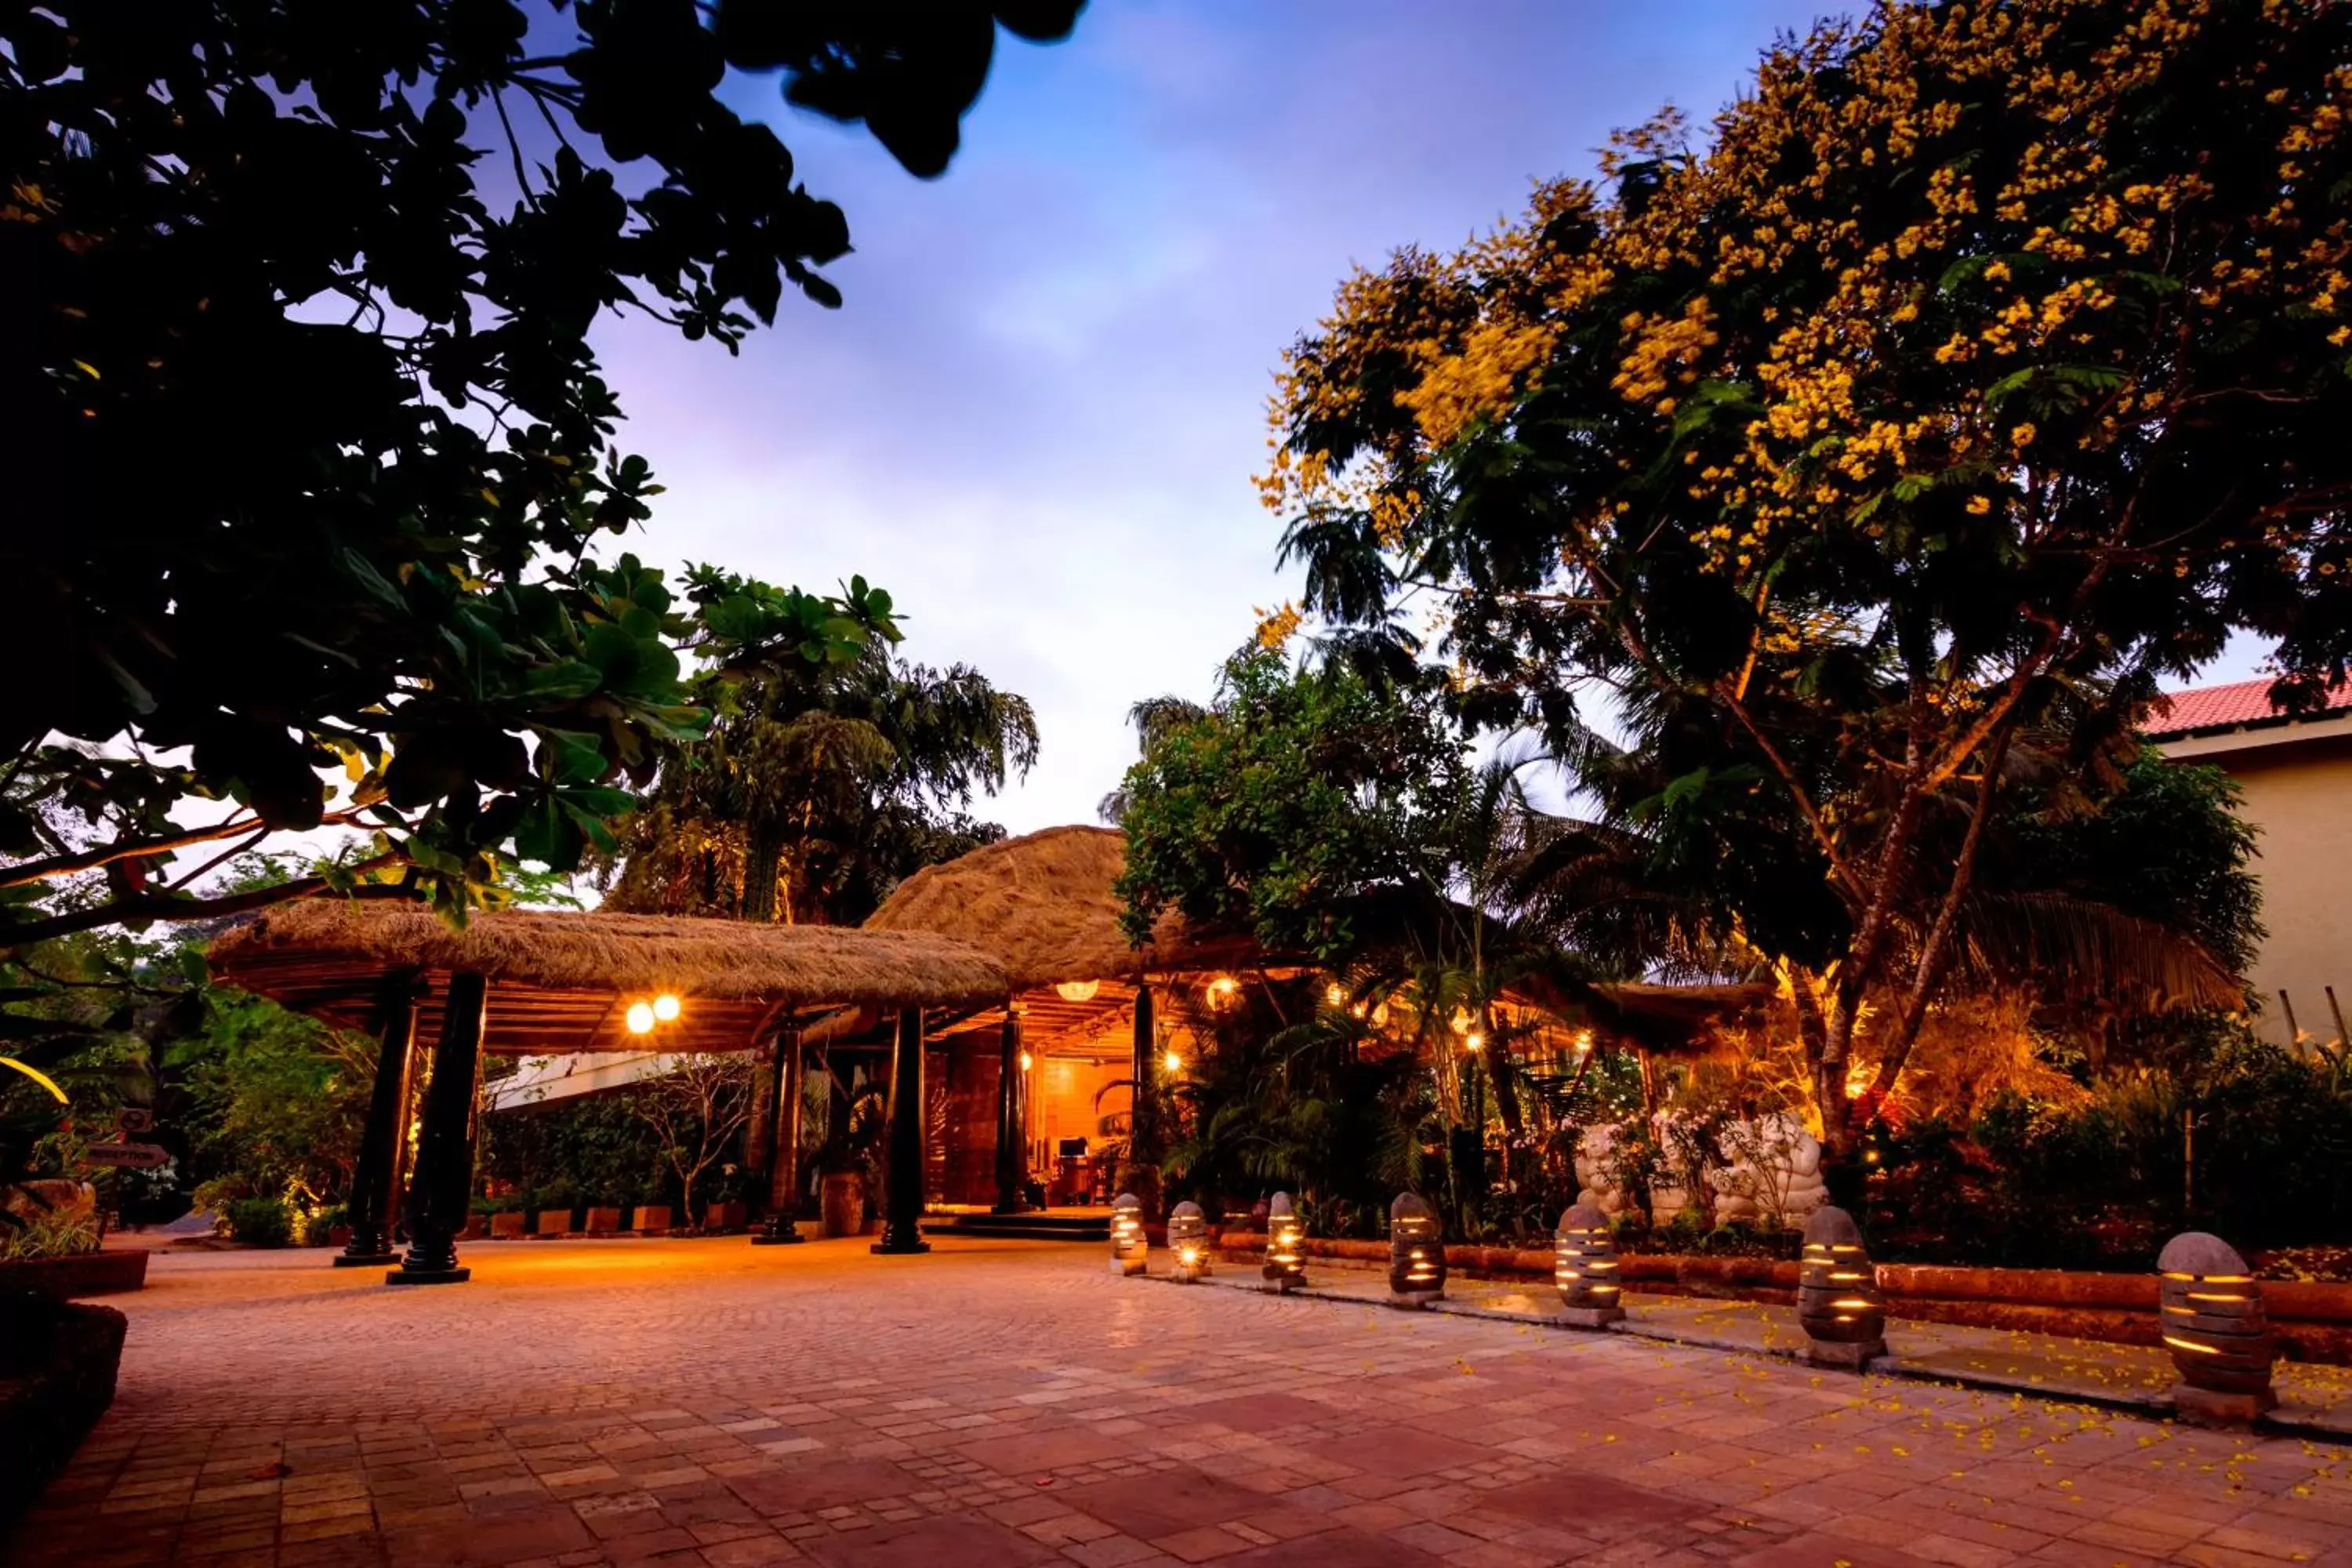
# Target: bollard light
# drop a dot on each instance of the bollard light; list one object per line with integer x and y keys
{"x": 1285, "y": 1246}
{"x": 1128, "y": 1243}
{"x": 1416, "y": 1252}
{"x": 1187, "y": 1243}
{"x": 1584, "y": 1268}
{"x": 2210, "y": 1308}
{"x": 1838, "y": 1302}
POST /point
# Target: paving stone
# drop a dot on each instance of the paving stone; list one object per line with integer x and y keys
{"x": 702, "y": 1402}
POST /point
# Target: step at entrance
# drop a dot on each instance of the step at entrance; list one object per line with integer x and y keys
{"x": 1093, "y": 1226}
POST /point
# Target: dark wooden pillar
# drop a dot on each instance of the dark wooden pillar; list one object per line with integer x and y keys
{"x": 760, "y": 1121}
{"x": 784, "y": 1147}
{"x": 902, "y": 1217}
{"x": 1144, "y": 1150}
{"x": 444, "y": 1148}
{"x": 1012, "y": 1131}
{"x": 375, "y": 1181}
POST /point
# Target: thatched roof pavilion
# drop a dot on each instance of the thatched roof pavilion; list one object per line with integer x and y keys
{"x": 1044, "y": 905}
{"x": 561, "y": 982}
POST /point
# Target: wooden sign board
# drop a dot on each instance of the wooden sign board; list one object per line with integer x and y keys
{"x": 127, "y": 1156}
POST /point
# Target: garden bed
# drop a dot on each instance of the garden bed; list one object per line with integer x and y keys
{"x": 2314, "y": 1319}
{"x": 58, "y": 1364}
{"x": 75, "y": 1274}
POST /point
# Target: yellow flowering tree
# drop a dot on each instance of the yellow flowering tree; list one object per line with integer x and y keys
{"x": 1878, "y": 452}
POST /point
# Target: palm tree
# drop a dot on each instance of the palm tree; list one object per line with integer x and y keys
{"x": 818, "y": 787}
{"x": 1154, "y": 719}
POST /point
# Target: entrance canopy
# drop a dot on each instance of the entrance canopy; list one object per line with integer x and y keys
{"x": 563, "y": 981}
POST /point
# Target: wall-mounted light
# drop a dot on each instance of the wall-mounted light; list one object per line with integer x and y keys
{"x": 1474, "y": 1043}
{"x": 1334, "y": 994}
{"x": 1187, "y": 1243}
{"x": 1171, "y": 1061}
{"x": 640, "y": 1017}
{"x": 1077, "y": 990}
{"x": 666, "y": 1008}
{"x": 1222, "y": 990}
{"x": 1027, "y": 1061}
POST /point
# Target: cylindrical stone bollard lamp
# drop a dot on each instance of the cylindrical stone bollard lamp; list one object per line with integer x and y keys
{"x": 1584, "y": 1268}
{"x": 1285, "y": 1246}
{"x": 2211, "y": 1310}
{"x": 1128, "y": 1243}
{"x": 1416, "y": 1252}
{"x": 1187, "y": 1243}
{"x": 1838, "y": 1301}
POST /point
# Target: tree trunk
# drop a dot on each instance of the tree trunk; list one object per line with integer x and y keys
{"x": 761, "y": 857}
{"x": 1503, "y": 1071}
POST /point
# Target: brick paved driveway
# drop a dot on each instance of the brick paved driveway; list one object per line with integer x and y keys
{"x": 707, "y": 1401}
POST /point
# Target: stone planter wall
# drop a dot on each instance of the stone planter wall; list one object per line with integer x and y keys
{"x": 650, "y": 1219}
{"x": 80, "y": 1274}
{"x": 2314, "y": 1321}
{"x": 552, "y": 1223}
{"x": 508, "y": 1226}
{"x": 603, "y": 1222}
{"x": 57, "y": 1363}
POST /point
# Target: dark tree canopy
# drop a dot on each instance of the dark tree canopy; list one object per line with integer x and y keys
{"x": 819, "y": 784}
{"x": 307, "y": 446}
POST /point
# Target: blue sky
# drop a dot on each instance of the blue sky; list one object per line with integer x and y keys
{"x": 1036, "y": 417}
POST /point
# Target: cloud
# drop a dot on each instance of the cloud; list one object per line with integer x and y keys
{"x": 1035, "y": 418}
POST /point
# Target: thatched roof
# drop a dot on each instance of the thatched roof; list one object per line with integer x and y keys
{"x": 562, "y": 980}
{"x": 1044, "y": 905}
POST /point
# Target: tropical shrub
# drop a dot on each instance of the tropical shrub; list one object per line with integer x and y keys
{"x": 259, "y": 1222}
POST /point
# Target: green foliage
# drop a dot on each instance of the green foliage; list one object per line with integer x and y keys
{"x": 53, "y": 1232}
{"x": 830, "y": 770}
{"x": 2231, "y": 1135}
{"x": 595, "y": 1149}
{"x": 308, "y": 444}
{"x": 260, "y": 1221}
{"x": 1868, "y": 460}
{"x": 1285, "y": 1097}
{"x": 1294, "y": 797}
{"x": 269, "y": 1103}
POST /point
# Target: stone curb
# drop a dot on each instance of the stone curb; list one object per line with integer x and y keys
{"x": 2283, "y": 1422}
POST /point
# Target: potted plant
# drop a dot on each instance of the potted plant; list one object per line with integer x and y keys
{"x": 503, "y": 1217}
{"x": 849, "y": 1162}
{"x": 556, "y": 1203}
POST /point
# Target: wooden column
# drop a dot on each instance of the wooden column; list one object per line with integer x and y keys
{"x": 1143, "y": 1117}
{"x": 902, "y": 1217}
{"x": 1011, "y": 1134}
{"x": 784, "y": 1147}
{"x": 760, "y": 1121}
{"x": 445, "y": 1149}
{"x": 375, "y": 1181}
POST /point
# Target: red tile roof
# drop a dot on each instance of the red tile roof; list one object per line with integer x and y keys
{"x": 2229, "y": 707}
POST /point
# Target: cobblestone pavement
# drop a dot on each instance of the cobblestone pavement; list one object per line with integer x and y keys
{"x": 711, "y": 1402}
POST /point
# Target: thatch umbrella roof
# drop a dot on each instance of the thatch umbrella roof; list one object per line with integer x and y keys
{"x": 1044, "y": 905}
{"x": 561, "y": 982}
